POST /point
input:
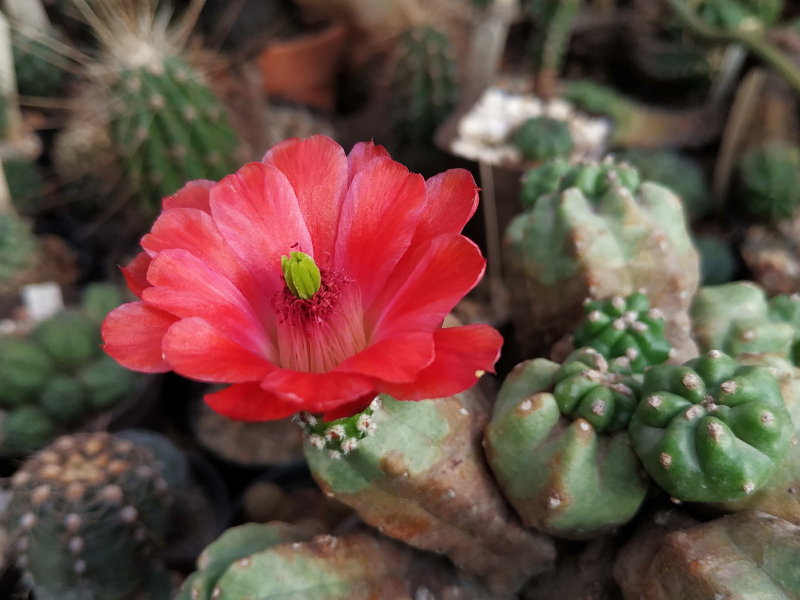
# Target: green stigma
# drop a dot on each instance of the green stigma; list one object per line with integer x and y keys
{"x": 301, "y": 274}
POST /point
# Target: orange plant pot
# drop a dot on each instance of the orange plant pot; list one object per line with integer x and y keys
{"x": 303, "y": 69}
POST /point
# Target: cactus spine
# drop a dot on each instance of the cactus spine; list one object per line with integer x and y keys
{"x": 89, "y": 516}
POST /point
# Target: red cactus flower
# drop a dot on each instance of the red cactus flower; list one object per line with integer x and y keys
{"x": 309, "y": 281}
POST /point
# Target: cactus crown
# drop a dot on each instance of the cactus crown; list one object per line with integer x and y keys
{"x": 770, "y": 181}
{"x": 626, "y": 331}
{"x": 543, "y": 138}
{"x": 585, "y": 388}
{"x": 597, "y": 179}
{"x": 340, "y": 436}
{"x": 90, "y": 512}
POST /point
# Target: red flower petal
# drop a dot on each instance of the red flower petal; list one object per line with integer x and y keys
{"x": 258, "y": 215}
{"x": 379, "y": 217}
{"x": 317, "y": 392}
{"x": 193, "y": 195}
{"x": 186, "y": 287}
{"x": 395, "y": 359}
{"x": 136, "y": 273}
{"x": 132, "y": 334}
{"x": 460, "y": 353}
{"x": 194, "y": 231}
{"x": 349, "y": 409}
{"x": 452, "y": 200}
{"x": 361, "y": 154}
{"x": 428, "y": 284}
{"x": 317, "y": 170}
{"x": 248, "y": 402}
{"x": 197, "y": 349}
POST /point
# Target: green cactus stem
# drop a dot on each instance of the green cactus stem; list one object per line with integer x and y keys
{"x": 738, "y": 319}
{"x": 553, "y": 28}
{"x": 602, "y": 233}
{"x": 746, "y": 555}
{"x": 64, "y": 399}
{"x": 423, "y": 86}
{"x": 711, "y": 430}
{"x": 89, "y": 516}
{"x": 626, "y": 331}
{"x": 106, "y": 382}
{"x": 571, "y": 478}
{"x": 543, "y": 138}
{"x": 639, "y": 126}
{"x": 769, "y": 178}
{"x": 99, "y": 299}
{"x": 740, "y": 14}
{"x": 26, "y": 184}
{"x": 421, "y": 478}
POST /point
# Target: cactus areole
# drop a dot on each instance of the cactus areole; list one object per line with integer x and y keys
{"x": 711, "y": 430}
{"x": 311, "y": 281}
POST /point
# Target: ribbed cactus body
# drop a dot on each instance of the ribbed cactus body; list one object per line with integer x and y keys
{"x": 18, "y": 249}
{"x": 769, "y": 179}
{"x": 558, "y": 447}
{"x": 711, "y": 430}
{"x": 89, "y": 515}
{"x": 424, "y": 85}
{"x": 626, "y": 331}
{"x": 27, "y": 427}
{"x": 169, "y": 128}
{"x": 543, "y": 138}
{"x": 747, "y": 555}
{"x": 738, "y": 319}
{"x": 420, "y": 478}
{"x": 601, "y": 234}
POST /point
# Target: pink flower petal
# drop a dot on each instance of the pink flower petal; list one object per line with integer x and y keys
{"x": 136, "y": 273}
{"x": 317, "y": 392}
{"x": 258, "y": 215}
{"x": 197, "y": 349}
{"x": 379, "y": 217}
{"x": 452, "y": 200}
{"x": 132, "y": 335}
{"x": 397, "y": 359}
{"x": 349, "y": 409}
{"x": 361, "y": 154}
{"x": 186, "y": 287}
{"x": 193, "y": 195}
{"x": 317, "y": 170}
{"x": 248, "y": 402}
{"x": 427, "y": 286}
{"x": 194, "y": 231}
{"x": 461, "y": 354}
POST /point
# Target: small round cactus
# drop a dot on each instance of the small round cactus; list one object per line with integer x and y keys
{"x": 64, "y": 399}
{"x": 542, "y": 180}
{"x": 340, "y": 436}
{"x": 89, "y": 515}
{"x": 626, "y": 331}
{"x": 770, "y": 182}
{"x": 70, "y": 338}
{"x": 24, "y": 371}
{"x": 26, "y": 428}
{"x": 711, "y": 430}
{"x": 543, "y": 138}
{"x": 558, "y": 447}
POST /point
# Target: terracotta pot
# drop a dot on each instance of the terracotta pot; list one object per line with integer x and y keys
{"x": 303, "y": 69}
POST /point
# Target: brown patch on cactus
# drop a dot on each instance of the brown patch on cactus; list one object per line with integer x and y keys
{"x": 772, "y": 252}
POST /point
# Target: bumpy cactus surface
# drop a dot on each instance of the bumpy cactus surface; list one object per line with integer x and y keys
{"x": 70, "y": 338}
{"x": 572, "y": 478}
{"x": 769, "y": 178}
{"x": 639, "y": 126}
{"x": 26, "y": 428}
{"x": 89, "y": 516}
{"x": 711, "y": 430}
{"x": 675, "y": 171}
{"x": 421, "y": 478}
{"x": 423, "y": 85}
{"x": 542, "y": 180}
{"x": 543, "y": 138}
{"x": 602, "y": 233}
{"x": 738, "y": 319}
{"x": 625, "y": 331}
{"x": 340, "y": 436}
{"x": 746, "y": 555}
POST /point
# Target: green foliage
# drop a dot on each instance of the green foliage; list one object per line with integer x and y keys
{"x": 571, "y": 478}
{"x": 423, "y": 85}
{"x": 711, "y": 430}
{"x": 543, "y": 138}
{"x": 106, "y": 382}
{"x": 89, "y": 517}
{"x": 553, "y": 27}
{"x": 625, "y": 331}
{"x": 770, "y": 182}
{"x": 99, "y": 299}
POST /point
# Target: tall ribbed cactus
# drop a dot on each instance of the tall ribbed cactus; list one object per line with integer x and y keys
{"x": 553, "y": 28}
{"x": 423, "y": 86}
{"x": 601, "y": 234}
{"x": 89, "y": 516}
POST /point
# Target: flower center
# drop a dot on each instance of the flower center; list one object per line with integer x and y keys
{"x": 319, "y": 318}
